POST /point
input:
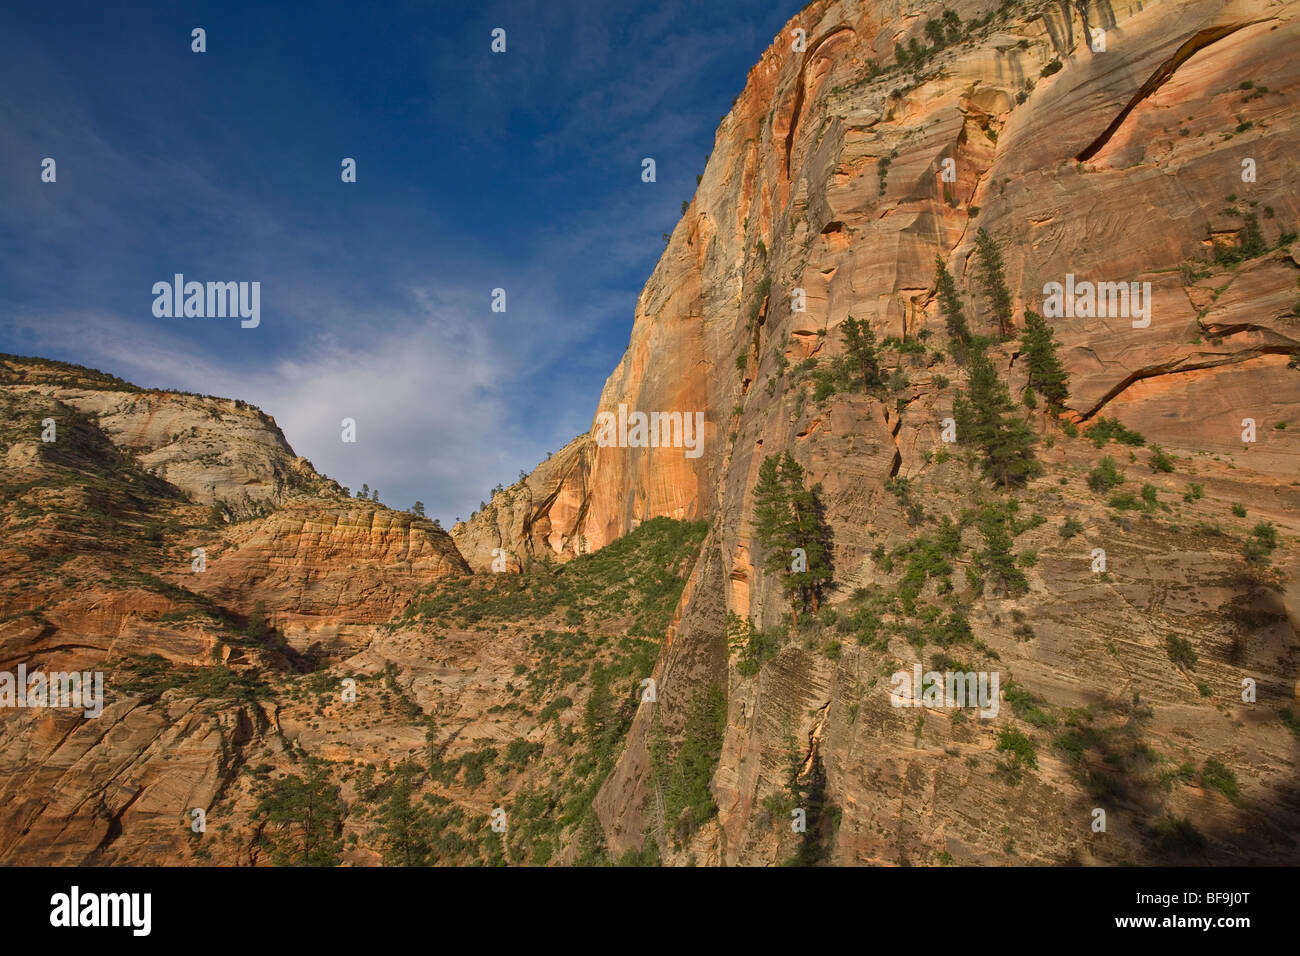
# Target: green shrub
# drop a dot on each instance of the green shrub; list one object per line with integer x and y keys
{"x": 1180, "y": 651}
{"x": 1161, "y": 460}
{"x": 1259, "y": 547}
{"x": 1020, "y": 754}
{"x": 1217, "y": 776}
{"x": 1179, "y": 836}
{"x": 1105, "y": 430}
{"x": 1105, "y": 476}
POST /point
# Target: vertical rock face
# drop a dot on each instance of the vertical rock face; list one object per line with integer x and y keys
{"x": 827, "y": 185}
{"x": 825, "y": 178}
{"x": 870, "y": 139}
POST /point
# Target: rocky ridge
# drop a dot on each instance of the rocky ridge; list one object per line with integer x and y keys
{"x": 1122, "y": 688}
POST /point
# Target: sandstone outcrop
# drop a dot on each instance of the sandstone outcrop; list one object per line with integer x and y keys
{"x": 1124, "y": 683}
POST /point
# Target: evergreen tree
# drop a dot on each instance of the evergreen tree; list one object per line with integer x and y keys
{"x": 1010, "y": 458}
{"x": 997, "y": 560}
{"x": 598, "y": 719}
{"x": 1046, "y": 374}
{"x": 417, "y": 509}
{"x": 810, "y": 532}
{"x": 591, "y": 842}
{"x": 772, "y": 521}
{"x": 406, "y": 838}
{"x": 861, "y": 354}
{"x": 950, "y": 305}
{"x": 304, "y": 818}
{"x": 991, "y": 276}
{"x": 374, "y": 495}
{"x": 258, "y": 627}
{"x": 788, "y": 516}
{"x": 821, "y": 817}
{"x": 934, "y": 32}
{"x": 985, "y": 417}
{"x": 365, "y": 491}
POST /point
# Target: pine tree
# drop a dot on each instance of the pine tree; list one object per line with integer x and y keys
{"x": 598, "y": 718}
{"x": 304, "y": 818}
{"x": 985, "y": 417}
{"x": 1010, "y": 458}
{"x": 861, "y": 354}
{"x": 774, "y": 523}
{"x": 771, "y": 516}
{"x": 591, "y": 842}
{"x": 1250, "y": 241}
{"x": 417, "y": 509}
{"x": 810, "y": 532}
{"x": 1046, "y": 374}
{"x": 257, "y": 627}
{"x": 950, "y": 305}
{"x": 365, "y": 491}
{"x": 997, "y": 560}
{"x": 406, "y": 840}
{"x": 987, "y": 398}
{"x": 788, "y": 516}
{"x": 993, "y": 279}
{"x": 820, "y": 816}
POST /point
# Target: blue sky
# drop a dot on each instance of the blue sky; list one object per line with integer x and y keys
{"x": 474, "y": 171}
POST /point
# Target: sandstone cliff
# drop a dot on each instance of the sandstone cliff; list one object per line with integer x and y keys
{"x": 637, "y": 688}
{"x": 97, "y": 569}
{"x": 827, "y": 176}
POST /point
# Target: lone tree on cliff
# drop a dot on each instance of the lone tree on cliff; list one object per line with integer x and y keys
{"x": 792, "y": 532}
{"x": 991, "y": 276}
{"x": 950, "y": 305}
{"x": 986, "y": 420}
{"x": 1046, "y": 374}
{"x": 862, "y": 358}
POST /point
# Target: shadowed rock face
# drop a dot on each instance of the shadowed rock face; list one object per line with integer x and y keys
{"x": 827, "y": 176}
